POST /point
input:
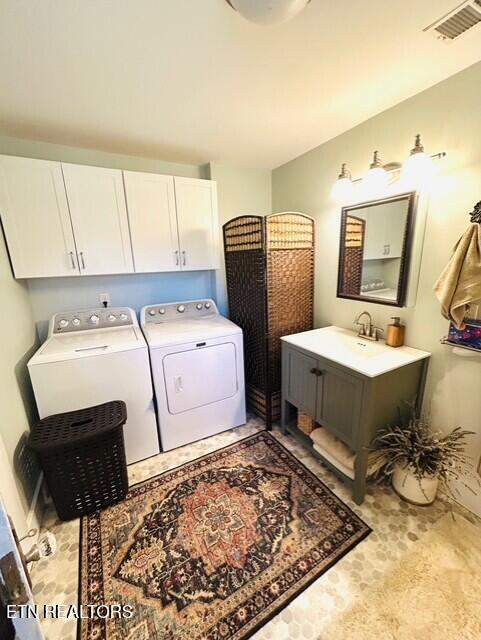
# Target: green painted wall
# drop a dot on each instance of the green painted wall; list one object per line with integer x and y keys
{"x": 240, "y": 191}
{"x": 17, "y": 408}
{"x": 448, "y": 116}
{"x": 47, "y": 151}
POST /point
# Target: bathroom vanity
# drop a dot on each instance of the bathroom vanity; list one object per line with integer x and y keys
{"x": 350, "y": 386}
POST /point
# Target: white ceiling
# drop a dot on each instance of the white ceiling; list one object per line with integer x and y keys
{"x": 191, "y": 81}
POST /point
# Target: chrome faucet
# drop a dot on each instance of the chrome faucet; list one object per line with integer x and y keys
{"x": 366, "y": 329}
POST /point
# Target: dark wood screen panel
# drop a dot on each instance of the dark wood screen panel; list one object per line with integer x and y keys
{"x": 270, "y": 286}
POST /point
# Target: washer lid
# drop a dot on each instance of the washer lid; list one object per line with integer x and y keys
{"x": 164, "y": 334}
{"x": 82, "y": 344}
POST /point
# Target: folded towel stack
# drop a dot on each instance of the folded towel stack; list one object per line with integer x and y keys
{"x": 339, "y": 454}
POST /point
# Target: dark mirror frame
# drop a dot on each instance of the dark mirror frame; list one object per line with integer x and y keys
{"x": 411, "y": 198}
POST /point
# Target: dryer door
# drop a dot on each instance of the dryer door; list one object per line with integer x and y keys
{"x": 200, "y": 376}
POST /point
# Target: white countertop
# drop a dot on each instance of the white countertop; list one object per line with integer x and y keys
{"x": 346, "y": 348}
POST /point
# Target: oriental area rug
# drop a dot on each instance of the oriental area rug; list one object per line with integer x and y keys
{"x": 212, "y": 549}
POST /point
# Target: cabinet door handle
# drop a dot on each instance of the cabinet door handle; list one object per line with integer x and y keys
{"x": 316, "y": 372}
{"x": 176, "y": 254}
{"x": 184, "y": 260}
{"x": 74, "y": 266}
{"x": 82, "y": 259}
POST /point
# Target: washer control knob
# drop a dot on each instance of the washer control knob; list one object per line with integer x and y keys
{"x": 162, "y": 311}
{"x": 94, "y": 319}
{"x": 123, "y": 317}
{"x": 207, "y": 305}
{"x": 111, "y": 317}
{"x": 198, "y": 306}
{"x": 181, "y": 308}
{"x": 76, "y": 322}
{"x": 151, "y": 312}
{"x": 63, "y": 323}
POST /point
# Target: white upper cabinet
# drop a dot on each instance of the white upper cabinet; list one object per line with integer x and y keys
{"x": 197, "y": 219}
{"x": 67, "y": 220}
{"x": 35, "y": 218}
{"x": 153, "y": 221}
{"x": 99, "y": 217}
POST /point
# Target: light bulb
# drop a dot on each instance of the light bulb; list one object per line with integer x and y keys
{"x": 418, "y": 169}
{"x": 376, "y": 179}
{"x": 342, "y": 190}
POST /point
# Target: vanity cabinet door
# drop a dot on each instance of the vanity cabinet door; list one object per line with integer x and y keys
{"x": 339, "y": 396}
{"x": 302, "y": 381}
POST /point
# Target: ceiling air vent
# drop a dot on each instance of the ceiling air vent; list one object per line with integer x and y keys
{"x": 466, "y": 16}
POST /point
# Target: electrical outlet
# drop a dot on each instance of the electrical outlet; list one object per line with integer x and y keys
{"x": 104, "y": 299}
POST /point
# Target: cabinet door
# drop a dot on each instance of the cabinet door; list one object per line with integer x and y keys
{"x": 302, "y": 381}
{"x": 36, "y": 219}
{"x": 153, "y": 222}
{"x": 196, "y": 202}
{"x": 375, "y": 235}
{"x": 395, "y": 229}
{"x": 339, "y": 397}
{"x": 99, "y": 217}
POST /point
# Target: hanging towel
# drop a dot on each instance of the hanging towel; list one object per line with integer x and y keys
{"x": 460, "y": 283}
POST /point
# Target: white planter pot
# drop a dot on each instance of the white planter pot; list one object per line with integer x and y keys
{"x": 417, "y": 491}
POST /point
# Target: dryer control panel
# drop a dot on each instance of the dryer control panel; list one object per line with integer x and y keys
{"x": 171, "y": 311}
{"x": 100, "y": 318}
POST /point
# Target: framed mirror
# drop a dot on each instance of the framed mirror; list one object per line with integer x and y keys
{"x": 375, "y": 248}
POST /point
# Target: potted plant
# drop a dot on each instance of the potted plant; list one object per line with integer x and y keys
{"x": 417, "y": 459}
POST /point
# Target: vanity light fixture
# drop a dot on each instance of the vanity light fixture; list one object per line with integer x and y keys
{"x": 413, "y": 175}
{"x": 376, "y": 178}
{"x": 342, "y": 189}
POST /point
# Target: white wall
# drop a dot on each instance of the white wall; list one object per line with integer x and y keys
{"x": 18, "y": 340}
{"x": 448, "y": 116}
{"x": 240, "y": 191}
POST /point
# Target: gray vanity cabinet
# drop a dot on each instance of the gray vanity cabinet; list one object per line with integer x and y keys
{"x": 350, "y": 405}
{"x": 328, "y": 394}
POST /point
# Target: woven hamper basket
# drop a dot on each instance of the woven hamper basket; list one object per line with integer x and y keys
{"x": 270, "y": 285}
{"x": 82, "y": 454}
{"x": 305, "y": 423}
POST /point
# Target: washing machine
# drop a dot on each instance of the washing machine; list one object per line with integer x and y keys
{"x": 94, "y": 356}
{"x": 197, "y": 363}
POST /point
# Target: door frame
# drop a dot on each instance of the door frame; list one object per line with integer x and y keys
{"x": 25, "y": 628}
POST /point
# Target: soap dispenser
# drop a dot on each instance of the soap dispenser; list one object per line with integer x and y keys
{"x": 395, "y": 333}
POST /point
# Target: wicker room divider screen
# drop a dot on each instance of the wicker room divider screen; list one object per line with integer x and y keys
{"x": 270, "y": 285}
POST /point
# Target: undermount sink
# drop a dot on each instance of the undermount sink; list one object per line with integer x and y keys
{"x": 352, "y": 351}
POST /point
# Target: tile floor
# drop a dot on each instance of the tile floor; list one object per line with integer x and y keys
{"x": 396, "y": 527}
